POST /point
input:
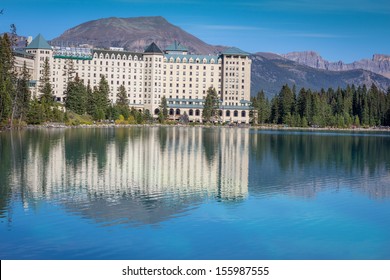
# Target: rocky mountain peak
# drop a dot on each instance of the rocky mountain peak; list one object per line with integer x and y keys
{"x": 381, "y": 57}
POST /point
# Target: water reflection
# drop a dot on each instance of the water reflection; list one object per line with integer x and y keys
{"x": 147, "y": 175}
{"x": 305, "y": 163}
{"x": 136, "y": 175}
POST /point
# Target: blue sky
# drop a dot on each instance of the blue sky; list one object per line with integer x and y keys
{"x": 345, "y": 30}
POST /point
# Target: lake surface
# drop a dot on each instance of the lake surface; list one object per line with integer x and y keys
{"x": 194, "y": 193}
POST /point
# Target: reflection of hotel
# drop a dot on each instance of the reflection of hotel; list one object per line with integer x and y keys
{"x": 170, "y": 167}
{"x": 181, "y": 77}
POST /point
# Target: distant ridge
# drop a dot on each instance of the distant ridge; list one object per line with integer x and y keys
{"x": 269, "y": 71}
{"x": 379, "y": 63}
{"x": 133, "y": 34}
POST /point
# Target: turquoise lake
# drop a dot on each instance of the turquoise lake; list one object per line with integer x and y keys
{"x": 194, "y": 193}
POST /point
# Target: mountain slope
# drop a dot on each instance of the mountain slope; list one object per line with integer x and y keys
{"x": 271, "y": 71}
{"x": 379, "y": 64}
{"x": 132, "y": 34}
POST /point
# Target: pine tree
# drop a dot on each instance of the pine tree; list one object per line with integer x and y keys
{"x": 91, "y": 102}
{"x": 122, "y": 102}
{"x": 76, "y": 96}
{"x": 262, "y": 108}
{"x": 22, "y": 96}
{"x": 46, "y": 98}
{"x": 101, "y": 100}
{"x": 7, "y": 78}
{"x": 286, "y": 104}
{"x": 211, "y": 106}
{"x": 163, "y": 114}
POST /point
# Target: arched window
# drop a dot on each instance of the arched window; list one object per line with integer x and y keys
{"x": 156, "y": 111}
{"x": 243, "y": 114}
{"x": 191, "y": 112}
{"x": 184, "y": 60}
{"x": 228, "y": 113}
{"x": 177, "y": 111}
{"x": 178, "y": 60}
{"x": 235, "y": 114}
{"x": 220, "y": 113}
{"x": 112, "y": 56}
{"x": 171, "y": 112}
{"x": 197, "y": 112}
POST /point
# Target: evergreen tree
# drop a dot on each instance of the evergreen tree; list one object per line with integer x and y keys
{"x": 286, "y": 104}
{"x": 163, "y": 114}
{"x": 91, "y": 102}
{"x": 22, "y": 96}
{"x": 46, "y": 90}
{"x": 76, "y": 96}
{"x": 211, "y": 106}
{"x": 35, "y": 114}
{"x": 122, "y": 102}
{"x": 7, "y": 78}
{"x": 100, "y": 99}
{"x": 262, "y": 108}
{"x": 122, "y": 99}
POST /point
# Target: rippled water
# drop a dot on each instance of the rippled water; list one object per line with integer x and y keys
{"x": 194, "y": 193}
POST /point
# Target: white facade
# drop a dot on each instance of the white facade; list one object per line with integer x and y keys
{"x": 181, "y": 77}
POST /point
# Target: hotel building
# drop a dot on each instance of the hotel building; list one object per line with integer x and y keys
{"x": 181, "y": 77}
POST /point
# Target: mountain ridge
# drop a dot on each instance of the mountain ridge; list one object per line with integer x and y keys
{"x": 133, "y": 34}
{"x": 380, "y": 63}
{"x": 269, "y": 71}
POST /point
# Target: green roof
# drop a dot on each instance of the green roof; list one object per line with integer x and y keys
{"x": 39, "y": 43}
{"x": 153, "y": 48}
{"x": 176, "y": 46}
{"x": 234, "y": 51}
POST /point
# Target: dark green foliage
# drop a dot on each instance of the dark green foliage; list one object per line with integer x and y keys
{"x": 35, "y": 114}
{"x": 163, "y": 113}
{"x": 99, "y": 100}
{"x": 342, "y": 108}
{"x": 46, "y": 91}
{"x": 211, "y": 106}
{"x": 7, "y": 79}
{"x": 76, "y": 96}
{"x": 261, "y": 107}
{"x": 122, "y": 103}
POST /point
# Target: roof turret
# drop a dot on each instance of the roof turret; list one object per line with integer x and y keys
{"x": 153, "y": 48}
{"x": 39, "y": 43}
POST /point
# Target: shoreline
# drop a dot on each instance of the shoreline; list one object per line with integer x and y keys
{"x": 258, "y": 127}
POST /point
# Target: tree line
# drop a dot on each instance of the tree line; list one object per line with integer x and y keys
{"x": 341, "y": 108}
{"x": 352, "y": 106}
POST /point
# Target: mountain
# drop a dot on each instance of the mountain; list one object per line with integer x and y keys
{"x": 132, "y": 34}
{"x": 271, "y": 71}
{"x": 20, "y": 41}
{"x": 379, "y": 63}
